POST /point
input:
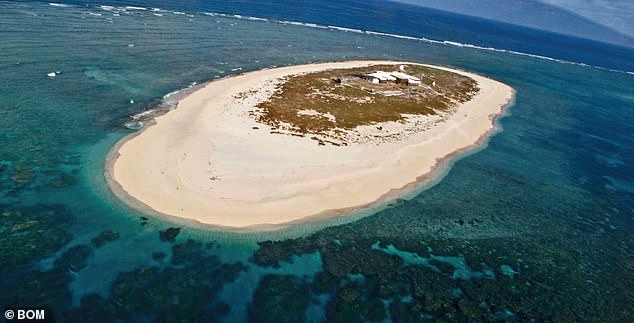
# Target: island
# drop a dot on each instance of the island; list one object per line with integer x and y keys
{"x": 281, "y": 146}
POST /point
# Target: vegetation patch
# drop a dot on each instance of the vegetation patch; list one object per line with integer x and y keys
{"x": 329, "y": 102}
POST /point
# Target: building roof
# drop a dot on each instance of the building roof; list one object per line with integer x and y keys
{"x": 383, "y": 76}
{"x": 404, "y": 76}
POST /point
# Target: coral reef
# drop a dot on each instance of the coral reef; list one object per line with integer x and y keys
{"x": 104, "y": 237}
{"x": 279, "y": 299}
{"x": 169, "y": 234}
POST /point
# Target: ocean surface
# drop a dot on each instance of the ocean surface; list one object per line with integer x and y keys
{"x": 537, "y": 225}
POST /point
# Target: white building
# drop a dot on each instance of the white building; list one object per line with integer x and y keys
{"x": 383, "y": 77}
{"x": 405, "y": 78}
{"x": 396, "y": 77}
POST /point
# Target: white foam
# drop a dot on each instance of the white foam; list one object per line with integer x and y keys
{"x": 369, "y": 32}
{"x": 108, "y": 8}
{"x": 399, "y": 36}
{"x": 346, "y": 29}
{"x": 303, "y": 24}
{"x": 166, "y": 96}
{"x": 54, "y": 4}
{"x": 143, "y": 114}
{"x": 256, "y": 18}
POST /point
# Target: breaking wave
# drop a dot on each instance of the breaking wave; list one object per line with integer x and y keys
{"x": 168, "y": 103}
{"x": 154, "y": 11}
{"x": 421, "y": 39}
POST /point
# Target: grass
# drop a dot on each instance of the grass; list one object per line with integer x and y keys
{"x": 315, "y": 103}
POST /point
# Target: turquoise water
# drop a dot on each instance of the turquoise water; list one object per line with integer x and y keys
{"x": 535, "y": 226}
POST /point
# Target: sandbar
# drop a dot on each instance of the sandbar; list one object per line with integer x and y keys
{"x": 209, "y": 161}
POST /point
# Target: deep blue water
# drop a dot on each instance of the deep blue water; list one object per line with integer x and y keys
{"x": 537, "y": 225}
{"x": 402, "y": 19}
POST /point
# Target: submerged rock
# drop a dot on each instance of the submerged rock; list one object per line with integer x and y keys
{"x": 182, "y": 291}
{"x": 75, "y": 258}
{"x": 30, "y": 233}
{"x": 104, "y": 237}
{"x": 23, "y": 174}
{"x": 279, "y": 299}
{"x": 63, "y": 180}
{"x": 169, "y": 234}
{"x": 159, "y": 256}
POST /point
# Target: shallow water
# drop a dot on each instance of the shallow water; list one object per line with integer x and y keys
{"x": 546, "y": 209}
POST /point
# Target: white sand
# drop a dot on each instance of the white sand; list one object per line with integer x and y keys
{"x": 204, "y": 162}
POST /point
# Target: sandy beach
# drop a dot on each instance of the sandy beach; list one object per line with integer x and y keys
{"x": 209, "y": 161}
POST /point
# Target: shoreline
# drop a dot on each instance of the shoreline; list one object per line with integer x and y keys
{"x": 434, "y": 172}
